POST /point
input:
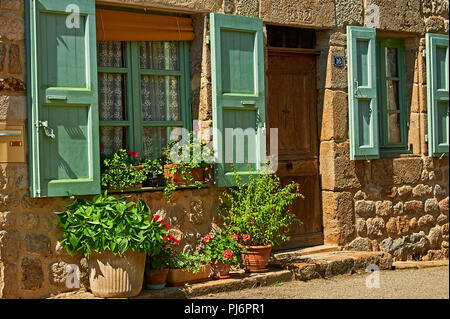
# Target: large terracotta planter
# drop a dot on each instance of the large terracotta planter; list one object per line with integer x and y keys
{"x": 198, "y": 174}
{"x": 156, "y": 279}
{"x": 117, "y": 276}
{"x": 255, "y": 259}
{"x": 180, "y": 277}
{"x": 220, "y": 270}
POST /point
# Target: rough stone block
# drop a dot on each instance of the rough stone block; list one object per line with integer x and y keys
{"x": 403, "y": 225}
{"x": 399, "y": 16}
{"x": 12, "y": 27}
{"x": 443, "y": 206}
{"x": 375, "y": 227}
{"x": 7, "y": 220}
{"x": 431, "y": 206}
{"x": 384, "y": 208}
{"x": 338, "y": 219}
{"x": 38, "y": 244}
{"x": 9, "y": 245}
{"x": 392, "y": 226}
{"x": 334, "y": 119}
{"x": 349, "y": 12}
{"x": 8, "y": 281}
{"x": 32, "y": 274}
{"x": 413, "y": 207}
{"x": 425, "y": 221}
{"x": 407, "y": 170}
{"x": 12, "y": 107}
{"x": 421, "y": 191}
{"x": 405, "y": 192}
{"x": 365, "y": 208}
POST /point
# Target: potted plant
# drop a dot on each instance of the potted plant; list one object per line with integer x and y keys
{"x": 224, "y": 251}
{"x": 160, "y": 258}
{"x": 186, "y": 164}
{"x": 155, "y": 176}
{"x": 188, "y": 269}
{"x": 123, "y": 170}
{"x": 115, "y": 236}
{"x": 258, "y": 213}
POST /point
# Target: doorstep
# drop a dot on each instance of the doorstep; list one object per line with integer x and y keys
{"x": 332, "y": 263}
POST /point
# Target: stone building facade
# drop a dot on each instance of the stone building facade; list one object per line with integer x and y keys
{"x": 397, "y": 204}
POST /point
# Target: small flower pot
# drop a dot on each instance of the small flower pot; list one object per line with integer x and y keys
{"x": 198, "y": 174}
{"x": 255, "y": 259}
{"x": 220, "y": 270}
{"x": 156, "y": 279}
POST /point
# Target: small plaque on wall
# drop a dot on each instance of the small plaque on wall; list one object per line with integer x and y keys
{"x": 338, "y": 60}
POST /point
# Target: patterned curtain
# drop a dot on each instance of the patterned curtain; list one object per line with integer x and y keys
{"x": 111, "y": 97}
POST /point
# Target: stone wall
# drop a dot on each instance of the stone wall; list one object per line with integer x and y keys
{"x": 393, "y": 204}
{"x": 397, "y": 204}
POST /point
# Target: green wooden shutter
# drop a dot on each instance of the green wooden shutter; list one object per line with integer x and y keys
{"x": 237, "y": 64}
{"x": 437, "y": 96}
{"x": 63, "y": 101}
{"x": 362, "y": 93}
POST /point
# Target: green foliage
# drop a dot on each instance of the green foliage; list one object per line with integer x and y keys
{"x": 110, "y": 223}
{"x": 258, "y": 211}
{"x": 120, "y": 170}
{"x": 192, "y": 262}
{"x": 223, "y": 247}
{"x": 190, "y": 155}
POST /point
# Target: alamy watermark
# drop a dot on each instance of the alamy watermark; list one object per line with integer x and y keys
{"x": 373, "y": 280}
{"x": 73, "y": 19}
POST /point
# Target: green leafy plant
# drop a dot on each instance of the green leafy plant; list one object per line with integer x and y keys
{"x": 257, "y": 211}
{"x": 124, "y": 169}
{"x": 223, "y": 247}
{"x": 191, "y": 262}
{"x": 108, "y": 222}
{"x": 190, "y": 155}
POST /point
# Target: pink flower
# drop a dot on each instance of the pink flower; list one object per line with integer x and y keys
{"x": 235, "y": 236}
{"x": 207, "y": 238}
{"x": 136, "y": 154}
{"x": 196, "y": 129}
{"x": 245, "y": 237}
{"x": 227, "y": 254}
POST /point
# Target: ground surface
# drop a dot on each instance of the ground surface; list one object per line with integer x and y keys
{"x": 425, "y": 283}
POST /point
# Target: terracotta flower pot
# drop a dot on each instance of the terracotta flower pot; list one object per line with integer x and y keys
{"x": 220, "y": 270}
{"x": 198, "y": 174}
{"x": 116, "y": 276}
{"x": 157, "y": 279}
{"x": 255, "y": 259}
{"x": 180, "y": 277}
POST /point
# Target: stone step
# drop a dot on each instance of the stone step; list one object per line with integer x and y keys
{"x": 328, "y": 264}
{"x": 419, "y": 264}
{"x": 296, "y": 253}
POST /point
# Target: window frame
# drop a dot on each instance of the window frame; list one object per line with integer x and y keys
{"x": 386, "y": 148}
{"x": 133, "y": 73}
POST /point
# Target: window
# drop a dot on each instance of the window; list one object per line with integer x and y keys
{"x": 288, "y": 37}
{"x": 121, "y": 77}
{"x": 391, "y": 95}
{"x": 143, "y": 94}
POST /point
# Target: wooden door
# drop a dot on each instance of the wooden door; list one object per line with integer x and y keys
{"x": 291, "y": 108}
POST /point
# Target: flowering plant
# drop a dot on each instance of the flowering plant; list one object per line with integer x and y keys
{"x": 189, "y": 155}
{"x": 120, "y": 170}
{"x": 163, "y": 251}
{"x": 257, "y": 212}
{"x": 223, "y": 247}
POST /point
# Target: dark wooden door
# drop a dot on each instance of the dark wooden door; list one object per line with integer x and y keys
{"x": 291, "y": 108}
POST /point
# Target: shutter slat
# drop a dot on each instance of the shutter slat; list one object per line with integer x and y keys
{"x": 237, "y": 63}
{"x": 64, "y": 155}
{"x": 362, "y": 93}
{"x": 437, "y": 93}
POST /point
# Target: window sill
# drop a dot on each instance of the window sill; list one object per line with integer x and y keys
{"x": 157, "y": 189}
{"x": 396, "y": 153}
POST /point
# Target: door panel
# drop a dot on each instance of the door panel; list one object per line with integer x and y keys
{"x": 292, "y": 109}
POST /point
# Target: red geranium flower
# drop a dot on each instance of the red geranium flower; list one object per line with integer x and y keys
{"x": 235, "y": 236}
{"x": 136, "y": 154}
{"x": 227, "y": 254}
{"x": 156, "y": 218}
{"x": 166, "y": 227}
{"x": 162, "y": 222}
{"x": 246, "y": 237}
{"x": 165, "y": 237}
{"x": 166, "y": 244}
{"x": 207, "y": 238}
